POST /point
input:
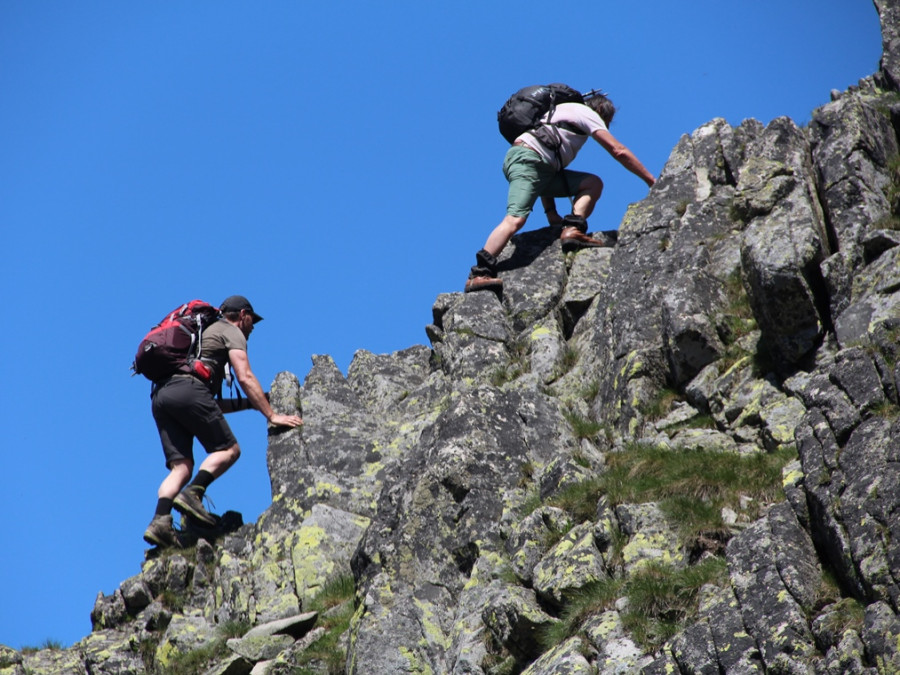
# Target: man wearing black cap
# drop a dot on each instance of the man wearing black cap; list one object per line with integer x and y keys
{"x": 184, "y": 407}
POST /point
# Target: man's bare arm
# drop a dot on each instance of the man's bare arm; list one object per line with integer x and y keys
{"x": 255, "y": 394}
{"x": 623, "y": 155}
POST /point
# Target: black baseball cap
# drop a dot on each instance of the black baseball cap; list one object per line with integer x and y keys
{"x": 235, "y": 303}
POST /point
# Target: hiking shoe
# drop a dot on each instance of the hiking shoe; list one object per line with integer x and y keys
{"x": 572, "y": 238}
{"x": 160, "y": 532}
{"x": 483, "y": 284}
{"x": 188, "y": 503}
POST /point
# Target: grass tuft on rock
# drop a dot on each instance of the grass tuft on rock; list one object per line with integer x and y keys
{"x": 661, "y": 600}
{"x": 693, "y": 486}
{"x": 335, "y": 605}
{"x": 690, "y": 486}
{"x": 582, "y": 427}
{"x": 589, "y": 601}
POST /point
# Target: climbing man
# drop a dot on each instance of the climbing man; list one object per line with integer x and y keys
{"x": 534, "y": 168}
{"x": 184, "y": 407}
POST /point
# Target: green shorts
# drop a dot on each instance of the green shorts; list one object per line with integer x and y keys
{"x": 530, "y": 177}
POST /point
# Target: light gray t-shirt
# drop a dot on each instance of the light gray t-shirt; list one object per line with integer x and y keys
{"x": 220, "y": 338}
{"x": 579, "y": 116}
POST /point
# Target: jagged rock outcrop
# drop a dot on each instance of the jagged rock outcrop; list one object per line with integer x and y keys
{"x": 675, "y": 455}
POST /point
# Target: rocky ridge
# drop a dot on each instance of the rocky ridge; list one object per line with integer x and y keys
{"x": 473, "y": 507}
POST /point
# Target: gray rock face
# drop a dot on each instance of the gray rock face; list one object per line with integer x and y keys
{"x": 784, "y": 242}
{"x": 461, "y": 508}
{"x": 774, "y": 572}
{"x": 889, "y": 12}
{"x": 439, "y": 516}
{"x": 852, "y": 146}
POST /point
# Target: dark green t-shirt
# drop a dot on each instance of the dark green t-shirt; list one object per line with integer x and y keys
{"x": 218, "y": 340}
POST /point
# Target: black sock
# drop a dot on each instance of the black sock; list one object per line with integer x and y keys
{"x": 203, "y": 479}
{"x": 485, "y": 265}
{"x": 163, "y": 506}
{"x": 577, "y": 222}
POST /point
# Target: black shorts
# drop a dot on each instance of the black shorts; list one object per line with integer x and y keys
{"x": 184, "y": 408}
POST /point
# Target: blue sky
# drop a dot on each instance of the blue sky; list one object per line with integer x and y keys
{"x": 338, "y": 163}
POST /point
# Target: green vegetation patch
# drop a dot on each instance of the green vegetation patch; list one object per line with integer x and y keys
{"x": 49, "y": 644}
{"x": 590, "y": 390}
{"x": 581, "y": 427}
{"x": 887, "y": 409}
{"x": 580, "y": 499}
{"x": 172, "y": 601}
{"x": 887, "y": 223}
{"x": 234, "y": 629}
{"x": 738, "y": 319}
{"x": 531, "y": 503}
{"x": 661, "y": 405}
{"x": 589, "y": 601}
{"x": 690, "y": 486}
{"x": 519, "y": 363}
{"x": 892, "y": 191}
{"x": 702, "y": 421}
{"x": 335, "y": 605}
{"x": 846, "y": 614}
{"x": 662, "y": 600}
{"x": 569, "y": 359}
{"x": 195, "y": 661}
{"x": 693, "y": 486}
{"x": 839, "y": 614}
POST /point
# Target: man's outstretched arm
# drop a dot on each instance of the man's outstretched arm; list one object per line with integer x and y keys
{"x": 623, "y": 155}
{"x": 255, "y": 394}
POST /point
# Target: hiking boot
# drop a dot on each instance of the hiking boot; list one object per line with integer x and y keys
{"x": 160, "y": 532}
{"x": 572, "y": 238}
{"x": 188, "y": 503}
{"x": 483, "y": 284}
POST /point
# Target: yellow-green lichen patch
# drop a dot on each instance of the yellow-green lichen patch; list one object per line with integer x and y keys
{"x": 644, "y": 547}
{"x": 434, "y": 634}
{"x": 322, "y": 490}
{"x": 416, "y": 666}
{"x": 753, "y": 405}
{"x": 165, "y": 653}
{"x": 633, "y": 427}
{"x": 310, "y": 570}
{"x": 792, "y": 475}
{"x": 633, "y": 366}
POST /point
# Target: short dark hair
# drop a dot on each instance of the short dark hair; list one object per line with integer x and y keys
{"x": 601, "y": 105}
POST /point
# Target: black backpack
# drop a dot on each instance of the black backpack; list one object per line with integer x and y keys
{"x": 524, "y": 109}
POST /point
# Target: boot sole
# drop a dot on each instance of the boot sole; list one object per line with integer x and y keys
{"x": 203, "y": 517}
{"x": 574, "y": 245}
{"x": 156, "y": 541}
{"x": 498, "y": 286}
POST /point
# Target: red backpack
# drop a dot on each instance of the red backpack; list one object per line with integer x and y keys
{"x": 173, "y": 345}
